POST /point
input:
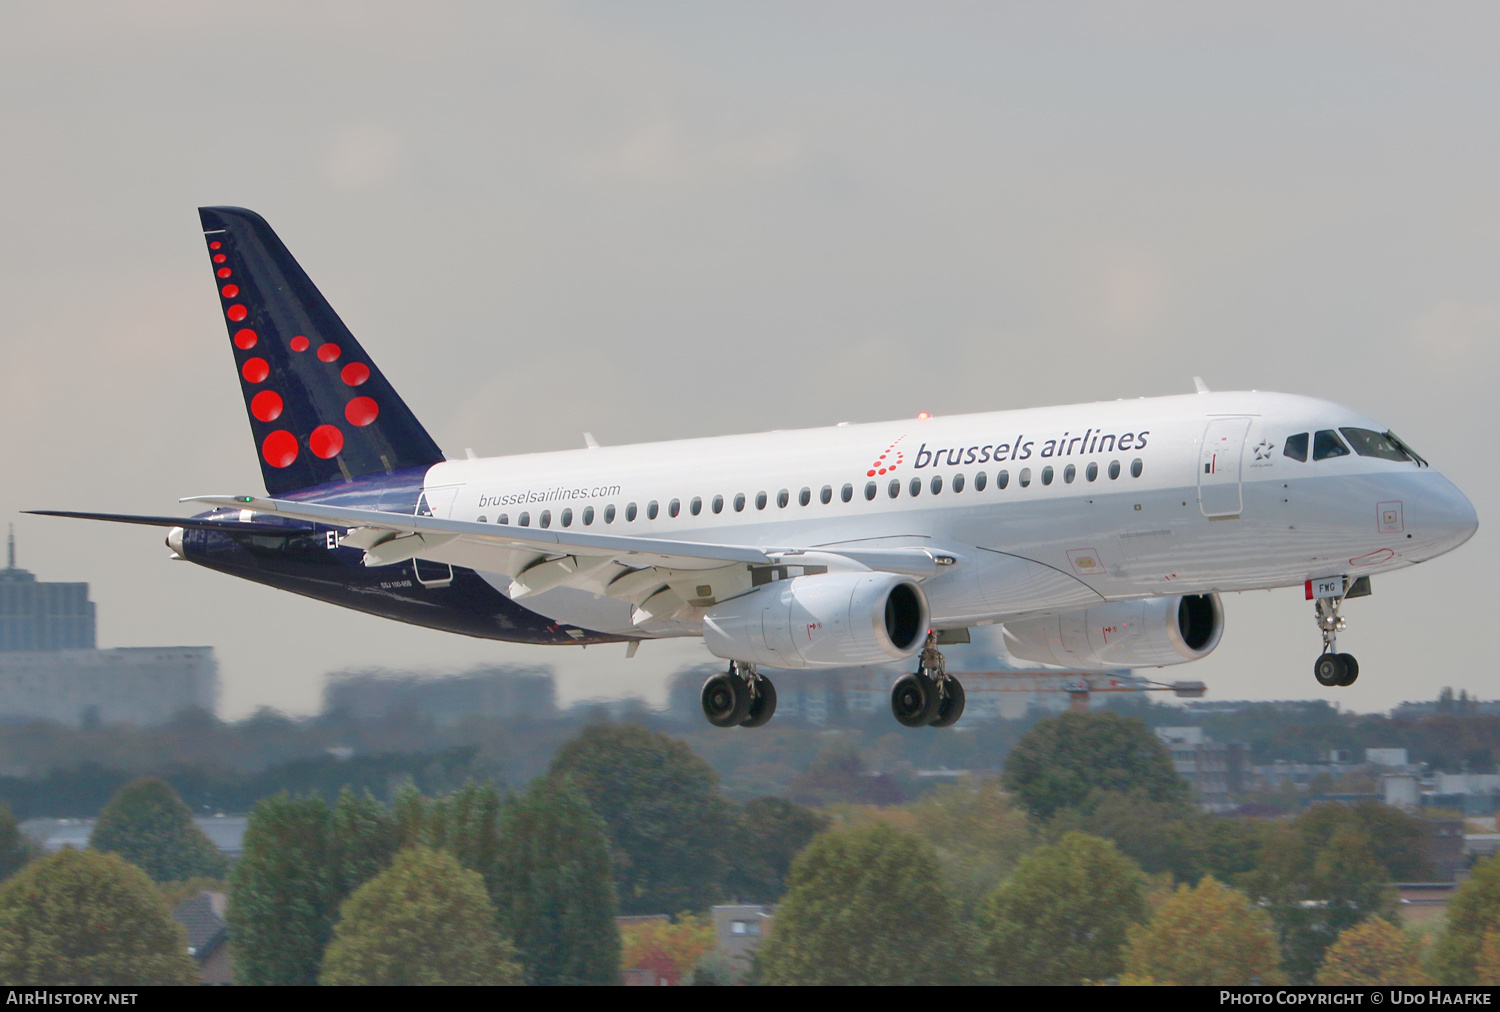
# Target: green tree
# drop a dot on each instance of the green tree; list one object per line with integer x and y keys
{"x": 767, "y": 835}
{"x": 88, "y": 918}
{"x": 865, "y": 906}
{"x": 280, "y": 892}
{"x": 979, "y": 835}
{"x": 1373, "y": 952}
{"x": 556, "y": 893}
{"x": 1315, "y": 888}
{"x": 466, "y": 823}
{"x": 1205, "y": 935}
{"x": 148, "y": 825}
{"x": 1061, "y": 917}
{"x": 1473, "y": 911}
{"x": 667, "y": 822}
{"x": 15, "y": 848}
{"x": 1396, "y": 840}
{"x": 1063, "y": 759}
{"x": 361, "y": 842}
{"x": 425, "y": 920}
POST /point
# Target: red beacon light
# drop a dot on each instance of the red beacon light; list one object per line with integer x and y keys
{"x": 922, "y": 416}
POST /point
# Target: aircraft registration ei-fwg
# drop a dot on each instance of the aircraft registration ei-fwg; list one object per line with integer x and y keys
{"x": 1099, "y": 535}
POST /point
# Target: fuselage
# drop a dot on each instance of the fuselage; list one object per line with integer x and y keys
{"x": 1047, "y": 509}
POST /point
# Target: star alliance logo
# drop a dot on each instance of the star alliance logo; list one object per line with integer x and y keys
{"x": 1264, "y": 449}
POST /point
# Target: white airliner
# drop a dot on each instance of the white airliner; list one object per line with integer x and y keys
{"x": 1099, "y": 535}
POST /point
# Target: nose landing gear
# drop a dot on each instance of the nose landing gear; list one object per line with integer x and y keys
{"x": 1333, "y": 668}
{"x": 930, "y": 697}
{"x": 740, "y": 697}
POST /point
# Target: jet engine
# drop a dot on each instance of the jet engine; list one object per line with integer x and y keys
{"x": 1125, "y": 634}
{"x": 826, "y": 620}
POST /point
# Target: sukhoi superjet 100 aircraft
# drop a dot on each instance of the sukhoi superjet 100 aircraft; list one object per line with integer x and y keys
{"x": 1099, "y": 535}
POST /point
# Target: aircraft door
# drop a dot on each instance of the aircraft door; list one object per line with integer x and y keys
{"x": 1219, "y": 467}
{"x": 434, "y": 502}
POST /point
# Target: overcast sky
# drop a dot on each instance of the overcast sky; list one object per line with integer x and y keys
{"x": 653, "y": 221}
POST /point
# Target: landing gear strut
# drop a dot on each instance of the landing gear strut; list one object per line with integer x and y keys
{"x": 930, "y": 697}
{"x": 740, "y": 697}
{"x": 1333, "y": 668}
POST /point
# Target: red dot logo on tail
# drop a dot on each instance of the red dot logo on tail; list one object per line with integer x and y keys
{"x": 326, "y": 441}
{"x": 279, "y": 448}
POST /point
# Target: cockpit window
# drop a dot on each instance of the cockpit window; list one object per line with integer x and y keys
{"x": 1296, "y": 447}
{"x": 1326, "y": 443}
{"x": 1368, "y": 443}
{"x": 1402, "y": 444}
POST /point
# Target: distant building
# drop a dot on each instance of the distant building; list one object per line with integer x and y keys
{"x": 740, "y": 929}
{"x": 203, "y": 920}
{"x": 42, "y": 616}
{"x": 49, "y": 669}
{"x": 374, "y": 695}
{"x": 1216, "y": 770}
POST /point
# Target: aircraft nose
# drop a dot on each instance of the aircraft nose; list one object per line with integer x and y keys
{"x": 1448, "y": 515}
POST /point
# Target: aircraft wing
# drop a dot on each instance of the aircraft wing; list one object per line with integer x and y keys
{"x": 622, "y": 566}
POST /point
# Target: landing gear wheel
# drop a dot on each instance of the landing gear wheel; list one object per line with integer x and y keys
{"x": 1351, "y": 667}
{"x": 951, "y": 705}
{"x": 726, "y": 699}
{"x": 762, "y": 703}
{"x": 915, "y": 700}
{"x": 1330, "y": 670}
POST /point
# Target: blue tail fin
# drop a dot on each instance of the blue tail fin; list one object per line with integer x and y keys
{"x": 320, "y": 410}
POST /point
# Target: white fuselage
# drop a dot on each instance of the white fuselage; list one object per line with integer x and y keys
{"x": 1060, "y": 508}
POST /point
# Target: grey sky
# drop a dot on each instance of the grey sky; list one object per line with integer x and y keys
{"x": 661, "y": 220}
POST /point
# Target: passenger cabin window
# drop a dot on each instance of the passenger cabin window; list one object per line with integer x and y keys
{"x": 696, "y": 506}
{"x": 847, "y": 492}
{"x": 937, "y": 484}
{"x": 1114, "y": 469}
{"x": 760, "y": 500}
{"x": 503, "y": 518}
{"x": 739, "y": 502}
{"x": 895, "y": 488}
{"x": 958, "y": 483}
{"x": 588, "y": 516}
{"x": 1025, "y": 477}
{"x": 1047, "y": 475}
{"x": 1091, "y": 472}
{"x": 1369, "y": 443}
{"x": 979, "y": 482}
{"x": 1069, "y": 473}
{"x": 651, "y": 510}
{"x": 718, "y": 506}
{"x": 916, "y": 486}
{"x": 804, "y": 497}
{"x": 567, "y": 518}
{"x": 1296, "y": 447}
{"x": 1136, "y": 466}
{"x": 482, "y": 519}
{"x": 869, "y": 490}
{"x": 826, "y": 495}
{"x": 1326, "y": 443}
{"x": 545, "y": 520}
{"x": 609, "y": 513}
{"x": 674, "y": 507}
{"x": 1002, "y": 479}
{"x": 524, "y": 520}
{"x": 782, "y": 498}
{"x": 630, "y": 511}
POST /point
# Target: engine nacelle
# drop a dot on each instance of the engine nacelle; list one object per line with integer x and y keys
{"x": 827, "y": 620}
{"x": 1126, "y": 634}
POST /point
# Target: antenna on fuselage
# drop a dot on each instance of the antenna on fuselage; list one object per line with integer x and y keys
{"x": 1201, "y": 386}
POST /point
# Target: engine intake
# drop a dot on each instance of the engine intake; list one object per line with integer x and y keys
{"x": 1125, "y": 634}
{"x": 827, "y": 620}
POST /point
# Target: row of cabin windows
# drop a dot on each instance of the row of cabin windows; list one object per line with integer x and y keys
{"x": 914, "y": 487}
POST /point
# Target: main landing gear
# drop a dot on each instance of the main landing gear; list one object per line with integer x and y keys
{"x": 930, "y": 697}
{"x": 1333, "y": 668}
{"x": 740, "y": 697}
